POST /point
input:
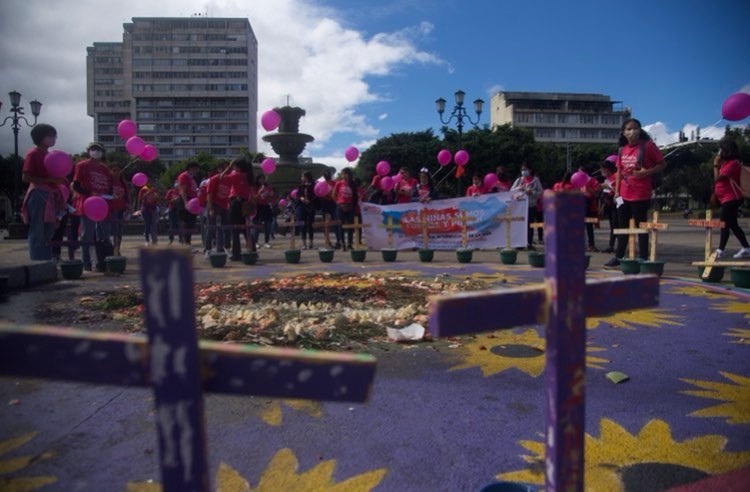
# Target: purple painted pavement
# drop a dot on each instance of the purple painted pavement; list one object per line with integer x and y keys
{"x": 431, "y": 427}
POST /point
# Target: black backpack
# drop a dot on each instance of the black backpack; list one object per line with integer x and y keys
{"x": 656, "y": 179}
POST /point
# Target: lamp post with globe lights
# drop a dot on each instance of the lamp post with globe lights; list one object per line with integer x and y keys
{"x": 459, "y": 113}
{"x": 15, "y": 123}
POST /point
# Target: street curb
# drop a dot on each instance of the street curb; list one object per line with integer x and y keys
{"x": 23, "y": 276}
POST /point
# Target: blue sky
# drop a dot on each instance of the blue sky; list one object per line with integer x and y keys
{"x": 365, "y": 69}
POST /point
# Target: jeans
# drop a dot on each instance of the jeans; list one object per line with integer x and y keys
{"x": 94, "y": 234}
{"x": 150, "y": 221}
{"x": 40, "y": 232}
{"x": 174, "y": 224}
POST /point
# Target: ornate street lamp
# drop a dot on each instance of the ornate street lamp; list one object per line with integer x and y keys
{"x": 15, "y": 119}
{"x": 459, "y": 113}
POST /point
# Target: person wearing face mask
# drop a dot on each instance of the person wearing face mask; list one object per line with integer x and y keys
{"x": 727, "y": 190}
{"x": 91, "y": 177}
{"x": 532, "y": 188}
{"x": 637, "y": 161}
{"x": 607, "y": 189}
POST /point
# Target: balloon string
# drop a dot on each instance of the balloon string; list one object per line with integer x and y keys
{"x": 132, "y": 161}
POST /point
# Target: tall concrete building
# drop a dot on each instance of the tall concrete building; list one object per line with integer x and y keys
{"x": 560, "y": 117}
{"x": 190, "y": 84}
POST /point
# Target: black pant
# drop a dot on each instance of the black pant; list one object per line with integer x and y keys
{"x": 729, "y": 217}
{"x": 308, "y": 217}
{"x": 637, "y": 210}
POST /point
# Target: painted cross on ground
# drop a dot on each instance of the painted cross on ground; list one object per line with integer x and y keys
{"x": 561, "y": 303}
{"x": 179, "y": 368}
{"x": 631, "y": 232}
{"x": 653, "y": 228}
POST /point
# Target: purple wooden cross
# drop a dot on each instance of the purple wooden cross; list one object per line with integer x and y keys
{"x": 172, "y": 361}
{"x": 561, "y": 303}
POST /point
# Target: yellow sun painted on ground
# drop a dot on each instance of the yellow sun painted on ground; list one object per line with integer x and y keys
{"x": 502, "y": 350}
{"x": 698, "y": 291}
{"x": 736, "y": 398}
{"x": 496, "y": 278}
{"x": 271, "y": 414}
{"x": 630, "y": 320}
{"x": 282, "y": 474}
{"x": 742, "y": 335}
{"x": 619, "y": 461}
{"x": 739, "y": 307}
{"x": 11, "y": 466}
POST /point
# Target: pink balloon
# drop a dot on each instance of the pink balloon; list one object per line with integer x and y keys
{"x": 382, "y": 168}
{"x": 64, "y": 191}
{"x": 135, "y": 145}
{"x": 139, "y": 179}
{"x": 126, "y": 129}
{"x": 490, "y": 180}
{"x": 58, "y": 164}
{"x": 95, "y": 208}
{"x": 294, "y": 193}
{"x": 386, "y": 183}
{"x": 444, "y": 157}
{"x": 611, "y": 158}
{"x": 194, "y": 206}
{"x": 736, "y": 107}
{"x": 282, "y": 203}
{"x": 461, "y": 158}
{"x": 268, "y": 165}
{"x": 149, "y": 153}
{"x": 396, "y": 178}
{"x": 351, "y": 153}
{"x": 321, "y": 189}
{"x": 270, "y": 120}
{"x": 579, "y": 179}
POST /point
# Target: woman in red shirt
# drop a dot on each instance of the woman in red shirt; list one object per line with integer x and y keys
{"x": 264, "y": 196}
{"x": 241, "y": 203}
{"x": 346, "y": 196}
{"x": 726, "y": 189}
{"x": 119, "y": 205}
{"x": 188, "y": 189}
{"x": 638, "y": 159}
{"x": 217, "y": 210}
{"x": 476, "y": 188}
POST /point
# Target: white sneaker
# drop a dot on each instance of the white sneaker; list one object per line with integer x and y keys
{"x": 207, "y": 254}
{"x": 743, "y": 253}
{"x": 267, "y": 245}
{"x": 719, "y": 253}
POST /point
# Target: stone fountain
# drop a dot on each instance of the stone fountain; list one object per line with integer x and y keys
{"x": 288, "y": 143}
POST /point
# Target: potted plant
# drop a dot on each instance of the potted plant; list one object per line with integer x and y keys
{"x": 325, "y": 255}
{"x": 358, "y": 255}
{"x": 630, "y": 266}
{"x": 740, "y": 277}
{"x": 249, "y": 257}
{"x": 389, "y": 254}
{"x": 654, "y": 267}
{"x": 717, "y": 273}
{"x": 536, "y": 258}
{"x": 218, "y": 260}
{"x": 293, "y": 255}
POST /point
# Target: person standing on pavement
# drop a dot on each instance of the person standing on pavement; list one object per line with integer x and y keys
{"x": 264, "y": 196}
{"x": 532, "y": 188}
{"x": 307, "y": 205}
{"x": 91, "y": 177}
{"x": 188, "y": 189}
{"x": 148, "y": 199}
{"x": 346, "y": 196}
{"x": 728, "y": 194}
{"x": 607, "y": 187}
{"x": 119, "y": 206}
{"x": 217, "y": 210}
{"x": 638, "y": 160}
{"x": 39, "y": 208}
{"x": 241, "y": 203}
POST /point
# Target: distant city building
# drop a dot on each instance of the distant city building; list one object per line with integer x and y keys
{"x": 560, "y": 117}
{"x": 190, "y": 84}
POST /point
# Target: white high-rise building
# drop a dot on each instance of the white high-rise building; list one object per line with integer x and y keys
{"x": 190, "y": 84}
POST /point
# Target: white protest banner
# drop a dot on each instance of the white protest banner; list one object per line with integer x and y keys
{"x": 486, "y": 222}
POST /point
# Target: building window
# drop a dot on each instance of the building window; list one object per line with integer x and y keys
{"x": 587, "y": 119}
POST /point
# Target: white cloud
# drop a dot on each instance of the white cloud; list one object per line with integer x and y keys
{"x": 304, "y": 52}
{"x": 663, "y": 136}
{"x": 383, "y": 116}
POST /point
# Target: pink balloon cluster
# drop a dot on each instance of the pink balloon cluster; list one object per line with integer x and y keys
{"x": 382, "y": 168}
{"x": 387, "y": 183}
{"x": 270, "y": 120}
{"x": 444, "y": 157}
{"x": 126, "y": 129}
{"x": 461, "y": 158}
{"x": 95, "y": 208}
{"x": 579, "y": 179}
{"x": 736, "y": 107}
{"x": 268, "y": 165}
{"x": 58, "y": 164}
{"x": 135, "y": 145}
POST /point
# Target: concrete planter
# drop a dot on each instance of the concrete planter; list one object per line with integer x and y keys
{"x": 71, "y": 269}
{"x": 389, "y": 254}
{"x": 116, "y": 264}
{"x": 740, "y": 277}
{"x": 536, "y": 259}
{"x": 426, "y": 255}
{"x": 508, "y": 256}
{"x": 293, "y": 255}
{"x": 464, "y": 255}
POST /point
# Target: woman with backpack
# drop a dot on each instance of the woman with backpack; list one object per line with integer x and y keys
{"x": 638, "y": 160}
{"x": 727, "y": 191}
